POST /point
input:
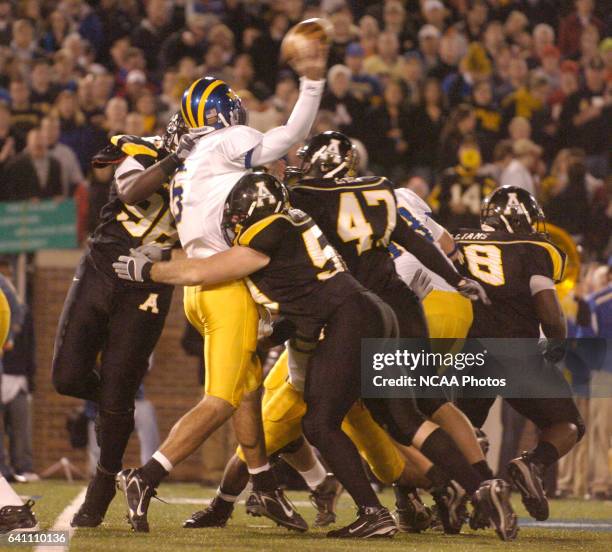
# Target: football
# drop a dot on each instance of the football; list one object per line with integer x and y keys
{"x": 305, "y": 36}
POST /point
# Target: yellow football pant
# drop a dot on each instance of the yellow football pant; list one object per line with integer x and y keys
{"x": 283, "y": 408}
{"x": 226, "y": 316}
{"x": 5, "y": 320}
{"x": 448, "y": 314}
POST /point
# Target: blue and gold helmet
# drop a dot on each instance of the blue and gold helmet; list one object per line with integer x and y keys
{"x": 210, "y": 104}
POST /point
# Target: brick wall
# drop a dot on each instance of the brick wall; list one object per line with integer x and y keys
{"x": 172, "y": 385}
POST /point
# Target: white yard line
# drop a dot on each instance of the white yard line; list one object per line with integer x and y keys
{"x": 62, "y": 523}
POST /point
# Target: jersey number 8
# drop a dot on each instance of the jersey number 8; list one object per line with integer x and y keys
{"x": 485, "y": 263}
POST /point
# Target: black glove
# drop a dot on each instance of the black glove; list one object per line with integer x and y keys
{"x": 553, "y": 349}
{"x": 136, "y": 268}
{"x": 473, "y": 291}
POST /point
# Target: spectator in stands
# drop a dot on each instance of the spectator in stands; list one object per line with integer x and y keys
{"x": 460, "y": 124}
{"x": 425, "y": 122}
{"x": 369, "y": 31}
{"x": 572, "y": 26}
{"x": 365, "y": 88}
{"x": 429, "y": 43}
{"x": 586, "y": 119}
{"x": 7, "y": 141}
{"x": 71, "y": 173}
{"x": 386, "y": 62}
{"x": 34, "y": 174}
{"x": 344, "y": 33}
{"x": 340, "y": 101}
{"x": 386, "y": 131}
{"x": 152, "y": 31}
{"x": 434, "y": 13}
{"x": 6, "y": 20}
{"x": 519, "y": 129}
{"x": 58, "y": 28}
{"x": 24, "y": 116}
{"x": 43, "y": 90}
{"x": 488, "y": 118}
{"x": 24, "y": 45}
{"x": 521, "y": 170}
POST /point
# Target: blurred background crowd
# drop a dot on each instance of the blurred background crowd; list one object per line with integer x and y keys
{"x": 448, "y": 97}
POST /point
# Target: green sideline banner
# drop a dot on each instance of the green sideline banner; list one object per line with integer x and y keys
{"x": 30, "y": 226}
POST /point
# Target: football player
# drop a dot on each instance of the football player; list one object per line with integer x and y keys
{"x": 359, "y": 215}
{"x": 518, "y": 267}
{"x": 120, "y": 321}
{"x": 225, "y": 314}
{"x": 293, "y": 268}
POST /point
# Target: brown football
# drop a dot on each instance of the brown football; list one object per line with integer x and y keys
{"x": 304, "y": 36}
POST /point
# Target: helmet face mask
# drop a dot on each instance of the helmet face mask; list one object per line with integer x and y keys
{"x": 175, "y": 128}
{"x": 254, "y": 197}
{"x": 328, "y": 155}
{"x": 513, "y": 210}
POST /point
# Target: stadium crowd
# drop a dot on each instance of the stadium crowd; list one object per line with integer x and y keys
{"x": 523, "y": 85}
{"x": 433, "y": 92}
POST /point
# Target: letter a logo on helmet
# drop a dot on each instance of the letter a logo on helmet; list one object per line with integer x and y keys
{"x": 264, "y": 195}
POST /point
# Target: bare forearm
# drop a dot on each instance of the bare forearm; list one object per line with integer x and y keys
{"x": 138, "y": 187}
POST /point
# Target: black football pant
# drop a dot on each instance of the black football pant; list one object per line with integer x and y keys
{"x": 412, "y": 324}
{"x": 333, "y": 384}
{"x": 106, "y": 334}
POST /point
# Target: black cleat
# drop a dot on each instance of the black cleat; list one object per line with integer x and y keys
{"x": 527, "y": 476}
{"x": 371, "y": 522}
{"x": 324, "y": 499}
{"x": 414, "y": 517}
{"x": 275, "y": 506}
{"x": 100, "y": 493}
{"x": 138, "y": 493}
{"x": 215, "y": 515}
{"x": 18, "y": 519}
{"x": 451, "y": 507}
{"x": 492, "y": 502}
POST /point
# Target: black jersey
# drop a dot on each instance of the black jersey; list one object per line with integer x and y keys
{"x": 306, "y": 279}
{"x": 504, "y": 264}
{"x": 123, "y": 226}
{"x": 358, "y": 216}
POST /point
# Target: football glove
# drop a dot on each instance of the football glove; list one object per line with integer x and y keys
{"x": 155, "y": 253}
{"x": 185, "y": 145}
{"x": 421, "y": 284}
{"x": 473, "y": 291}
{"x": 553, "y": 349}
{"x": 135, "y": 268}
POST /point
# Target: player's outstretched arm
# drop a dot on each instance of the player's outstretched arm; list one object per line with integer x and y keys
{"x": 233, "y": 264}
{"x": 277, "y": 141}
{"x": 550, "y": 314}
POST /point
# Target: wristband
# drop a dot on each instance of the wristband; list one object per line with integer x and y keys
{"x": 166, "y": 254}
{"x": 146, "y": 272}
{"x": 453, "y": 252}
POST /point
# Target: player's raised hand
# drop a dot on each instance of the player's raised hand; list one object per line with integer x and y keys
{"x": 473, "y": 291}
{"x": 186, "y": 145}
{"x": 421, "y": 284}
{"x": 136, "y": 267}
{"x": 155, "y": 253}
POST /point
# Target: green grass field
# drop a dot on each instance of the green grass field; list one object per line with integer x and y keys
{"x": 245, "y": 533}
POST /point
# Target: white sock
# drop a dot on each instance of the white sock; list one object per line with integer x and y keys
{"x": 226, "y": 497}
{"x": 8, "y": 497}
{"x": 166, "y": 464}
{"x": 315, "y": 475}
{"x": 261, "y": 469}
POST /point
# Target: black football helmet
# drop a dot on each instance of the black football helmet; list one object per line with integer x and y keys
{"x": 254, "y": 197}
{"x": 512, "y": 209}
{"x": 175, "y": 128}
{"x": 329, "y": 154}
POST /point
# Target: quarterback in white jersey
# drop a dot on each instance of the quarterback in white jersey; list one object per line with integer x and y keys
{"x": 448, "y": 314}
{"x": 225, "y": 315}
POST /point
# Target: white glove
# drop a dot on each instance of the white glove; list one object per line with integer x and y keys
{"x": 421, "y": 284}
{"x": 473, "y": 291}
{"x": 185, "y": 145}
{"x": 155, "y": 253}
{"x": 136, "y": 267}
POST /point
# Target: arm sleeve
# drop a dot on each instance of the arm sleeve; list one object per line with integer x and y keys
{"x": 265, "y": 235}
{"x": 277, "y": 141}
{"x": 425, "y": 251}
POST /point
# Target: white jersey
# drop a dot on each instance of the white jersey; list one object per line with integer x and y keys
{"x": 200, "y": 189}
{"x": 418, "y": 216}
